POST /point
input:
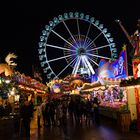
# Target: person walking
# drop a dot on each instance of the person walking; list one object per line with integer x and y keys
{"x": 96, "y": 103}
{"x": 26, "y": 115}
{"x": 39, "y": 112}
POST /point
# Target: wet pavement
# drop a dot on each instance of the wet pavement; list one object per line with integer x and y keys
{"x": 108, "y": 130}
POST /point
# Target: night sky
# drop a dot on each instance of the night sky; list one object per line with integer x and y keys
{"x": 22, "y": 23}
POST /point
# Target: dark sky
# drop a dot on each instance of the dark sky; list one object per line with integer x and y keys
{"x": 22, "y": 23}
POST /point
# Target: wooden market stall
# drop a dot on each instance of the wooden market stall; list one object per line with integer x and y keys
{"x": 132, "y": 88}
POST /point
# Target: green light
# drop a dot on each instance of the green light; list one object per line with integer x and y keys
{"x": 66, "y": 15}
{"x": 92, "y": 19}
{"x": 44, "y": 32}
{"x": 55, "y": 19}
{"x": 71, "y": 14}
{"x": 104, "y": 30}
{"x": 82, "y": 15}
{"x": 60, "y": 17}
{"x": 76, "y": 14}
{"x": 87, "y": 17}
{"x": 97, "y": 22}
{"x": 41, "y": 38}
{"x": 101, "y": 26}
{"x": 51, "y": 23}
{"x": 47, "y": 27}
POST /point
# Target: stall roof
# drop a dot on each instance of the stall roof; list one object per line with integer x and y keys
{"x": 90, "y": 86}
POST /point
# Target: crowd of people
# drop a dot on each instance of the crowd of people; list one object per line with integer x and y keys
{"x": 56, "y": 112}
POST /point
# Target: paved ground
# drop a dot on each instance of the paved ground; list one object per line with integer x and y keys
{"x": 108, "y": 130}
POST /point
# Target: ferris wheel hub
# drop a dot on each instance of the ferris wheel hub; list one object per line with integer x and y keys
{"x": 81, "y": 51}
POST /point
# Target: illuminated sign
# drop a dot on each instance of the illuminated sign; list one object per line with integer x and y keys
{"x": 115, "y": 69}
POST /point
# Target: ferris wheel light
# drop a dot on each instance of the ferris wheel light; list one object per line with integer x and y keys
{"x": 40, "y": 44}
{"x": 44, "y": 32}
{"x": 51, "y": 23}
{"x": 108, "y": 34}
{"x": 71, "y": 14}
{"x": 76, "y": 14}
{"x": 101, "y": 26}
{"x": 87, "y": 17}
{"x": 47, "y": 27}
{"x": 41, "y": 38}
{"x": 113, "y": 45}
{"x": 60, "y": 17}
{"x": 82, "y": 15}
{"x": 40, "y": 50}
{"x": 105, "y": 30}
{"x": 56, "y": 20}
{"x": 65, "y": 15}
{"x": 92, "y": 19}
{"x": 43, "y": 63}
{"x": 46, "y": 69}
{"x": 111, "y": 39}
{"x": 97, "y": 22}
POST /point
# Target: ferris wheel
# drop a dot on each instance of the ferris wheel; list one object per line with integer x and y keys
{"x": 72, "y": 42}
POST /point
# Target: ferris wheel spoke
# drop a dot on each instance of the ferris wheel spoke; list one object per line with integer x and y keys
{"x": 93, "y": 40}
{"x": 73, "y": 63}
{"x": 97, "y": 48}
{"x": 76, "y": 66}
{"x": 78, "y": 31}
{"x": 65, "y": 68}
{"x": 98, "y": 56}
{"x": 63, "y": 39}
{"x": 89, "y": 65}
{"x": 85, "y": 65}
{"x": 94, "y": 62}
{"x": 57, "y": 47}
{"x": 69, "y": 32}
{"x": 59, "y": 58}
{"x": 87, "y": 34}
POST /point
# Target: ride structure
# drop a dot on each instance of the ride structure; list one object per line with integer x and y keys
{"x": 74, "y": 43}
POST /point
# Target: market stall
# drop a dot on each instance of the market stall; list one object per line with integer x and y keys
{"x": 132, "y": 88}
{"x": 112, "y": 98}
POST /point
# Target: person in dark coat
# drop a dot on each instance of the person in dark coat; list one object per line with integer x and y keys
{"x": 96, "y": 103}
{"x": 26, "y": 114}
{"x": 1, "y": 110}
